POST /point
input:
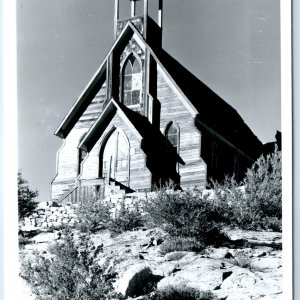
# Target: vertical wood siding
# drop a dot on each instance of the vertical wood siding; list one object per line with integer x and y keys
{"x": 193, "y": 171}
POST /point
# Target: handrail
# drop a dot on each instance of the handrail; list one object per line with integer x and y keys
{"x": 64, "y": 196}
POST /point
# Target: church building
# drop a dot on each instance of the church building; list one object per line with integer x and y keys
{"x": 144, "y": 119}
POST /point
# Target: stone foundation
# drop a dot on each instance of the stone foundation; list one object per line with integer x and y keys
{"x": 52, "y": 215}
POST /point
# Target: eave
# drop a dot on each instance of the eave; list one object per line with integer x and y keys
{"x": 92, "y": 87}
{"x": 100, "y": 125}
{"x": 99, "y": 78}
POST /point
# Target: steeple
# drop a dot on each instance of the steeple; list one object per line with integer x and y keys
{"x": 141, "y": 22}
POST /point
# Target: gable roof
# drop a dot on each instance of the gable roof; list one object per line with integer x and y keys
{"x": 98, "y": 128}
{"x": 99, "y": 77}
{"x": 91, "y": 89}
{"x": 211, "y": 112}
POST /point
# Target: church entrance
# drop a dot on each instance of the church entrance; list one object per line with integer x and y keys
{"x": 114, "y": 158}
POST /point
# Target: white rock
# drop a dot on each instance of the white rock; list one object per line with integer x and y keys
{"x": 43, "y": 205}
{"x": 44, "y": 237}
{"x": 200, "y": 273}
{"x": 265, "y": 263}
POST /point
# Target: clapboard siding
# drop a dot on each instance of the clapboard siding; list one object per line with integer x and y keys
{"x": 68, "y": 156}
{"x": 94, "y": 110}
{"x": 139, "y": 175}
{"x": 193, "y": 171}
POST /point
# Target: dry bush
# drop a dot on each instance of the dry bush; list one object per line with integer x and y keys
{"x": 126, "y": 219}
{"x": 68, "y": 271}
{"x": 255, "y": 203}
{"x": 93, "y": 213}
{"x": 181, "y": 244}
{"x": 185, "y": 214}
{"x": 182, "y": 292}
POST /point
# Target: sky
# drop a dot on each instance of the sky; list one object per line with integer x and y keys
{"x": 232, "y": 46}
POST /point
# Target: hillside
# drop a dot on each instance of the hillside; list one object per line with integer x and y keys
{"x": 251, "y": 271}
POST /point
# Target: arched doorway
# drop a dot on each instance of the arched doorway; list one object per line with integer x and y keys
{"x": 114, "y": 157}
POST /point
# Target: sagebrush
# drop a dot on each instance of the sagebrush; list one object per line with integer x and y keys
{"x": 126, "y": 219}
{"x": 184, "y": 214}
{"x": 93, "y": 213}
{"x": 182, "y": 292}
{"x": 256, "y": 202}
{"x": 181, "y": 244}
{"x": 68, "y": 271}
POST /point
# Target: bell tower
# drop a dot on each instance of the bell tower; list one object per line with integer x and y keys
{"x": 143, "y": 22}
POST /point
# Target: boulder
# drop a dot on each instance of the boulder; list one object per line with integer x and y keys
{"x": 138, "y": 280}
{"x": 43, "y": 205}
{"x": 44, "y": 237}
{"x": 216, "y": 253}
{"x": 266, "y": 263}
{"x": 203, "y": 274}
{"x": 244, "y": 284}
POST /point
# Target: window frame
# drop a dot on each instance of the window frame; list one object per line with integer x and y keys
{"x": 140, "y": 64}
{"x": 167, "y": 128}
{"x": 175, "y": 125}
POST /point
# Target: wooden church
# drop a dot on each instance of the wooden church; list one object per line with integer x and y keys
{"x": 144, "y": 119}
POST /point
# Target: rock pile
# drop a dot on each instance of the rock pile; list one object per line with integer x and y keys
{"x": 49, "y": 215}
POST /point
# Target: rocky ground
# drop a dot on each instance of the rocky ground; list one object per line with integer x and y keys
{"x": 251, "y": 271}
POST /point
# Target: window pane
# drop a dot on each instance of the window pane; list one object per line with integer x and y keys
{"x": 128, "y": 68}
{"x": 172, "y": 130}
{"x": 173, "y": 140}
{"x": 136, "y": 66}
{"x": 127, "y": 82}
{"x": 135, "y": 97}
{"x": 136, "y": 81}
{"x": 127, "y": 98}
{"x": 172, "y": 135}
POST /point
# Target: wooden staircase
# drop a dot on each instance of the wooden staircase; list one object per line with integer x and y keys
{"x": 91, "y": 188}
{"x": 118, "y": 187}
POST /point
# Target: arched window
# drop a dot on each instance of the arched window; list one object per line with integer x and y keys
{"x": 81, "y": 154}
{"x": 172, "y": 134}
{"x": 132, "y": 81}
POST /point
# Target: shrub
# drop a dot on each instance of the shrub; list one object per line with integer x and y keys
{"x": 184, "y": 214}
{"x": 26, "y": 196}
{"x": 182, "y": 293}
{"x": 241, "y": 260}
{"x": 181, "y": 244}
{"x": 227, "y": 197}
{"x": 256, "y": 202}
{"x": 68, "y": 271}
{"x": 263, "y": 185}
{"x": 93, "y": 213}
{"x": 126, "y": 219}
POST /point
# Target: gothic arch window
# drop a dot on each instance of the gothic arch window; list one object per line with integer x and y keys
{"x": 81, "y": 155}
{"x": 172, "y": 134}
{"x": 131, "y": 81}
